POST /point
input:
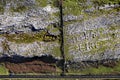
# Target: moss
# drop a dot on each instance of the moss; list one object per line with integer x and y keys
{"x": 73, "y": 6}
{"x": 56, "y": 51}
{"x": 5, "y": 45}
{"x": 66, "y": 48}
{"x": 57, "y": 14}
{"x": 41, "y": 3}
{"x": 101, "y": 12}
{"x": 1, "y": 9}
{"x": 112, "y": 28}
{"x": 53, "y": 29}
{"x": 19, "y": 9}
{"x": 3, "y": 70}
{"x": 24, "y": 37}
{"x": 30, "y": 37}
{"x": 101, "y": 70}
{"x": 102, "y": 2}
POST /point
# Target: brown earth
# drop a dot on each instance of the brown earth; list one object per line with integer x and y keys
{"x": 35, "y": 66}
{"x": 109, "y": 63}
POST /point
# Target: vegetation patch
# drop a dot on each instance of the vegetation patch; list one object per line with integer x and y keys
{"x": 41, "y": 3}
{"x": 103, "y": 70}
{"x": 30, "y": 37}
{"x": 72, "y": 7}
{"x": 56, "y": 51}
{"x": 23, "y": 37}
{"x": 3, "y": 69}
{"x": 5, "y": 45}
{"x": 19, "y": 9}
{"x": 1, "y": 9}
{"x": 66, "y": 49}
{"x": 102, "y": 2}
{"x": 105, "y": 67}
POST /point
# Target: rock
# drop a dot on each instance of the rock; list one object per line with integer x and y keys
{"x": 32, "y": 49}
{"x": 88, "y": 33}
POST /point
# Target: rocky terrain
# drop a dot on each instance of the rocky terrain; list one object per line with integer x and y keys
{"x": 24, "y": 22}
{"x": 91, "y": 32}
{"x": 92, "y": 36}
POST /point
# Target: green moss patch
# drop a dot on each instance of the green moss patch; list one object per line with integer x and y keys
{"x": 100, "y": 70}
{"x": 1, "y": 9}
{"x": 3, "y": 70}
{"x": 72, "y": 7}
{"x": 19, "y": 9}
{"x": 25, "y": 37}
{"x": 102, "y": 2}
{"x": 56, "y": 51}
{"x": 41, "y": 3}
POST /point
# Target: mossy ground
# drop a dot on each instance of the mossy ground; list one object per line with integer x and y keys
{"x": 29, "y": 37}
{"x": 3, "y": 70}
{"x": 56, "y": 51}
{"x": 19, "y": 9}
{"x": 101, "y": 70}
{"x": 102, "y": 2}
{"x": 41, "y": 3}
{"x": 24, "y": 37}
{"x": 72, "y": 7}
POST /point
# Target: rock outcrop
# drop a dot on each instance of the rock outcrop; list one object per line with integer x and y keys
{"x": 32, "y": 28}
{"x": 27, "y": 17}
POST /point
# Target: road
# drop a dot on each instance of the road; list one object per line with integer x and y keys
{"x": 53, "y": 76}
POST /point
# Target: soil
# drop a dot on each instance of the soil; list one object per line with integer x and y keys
{"x": 35, "y": 66}
{"x": 109, "y": 63}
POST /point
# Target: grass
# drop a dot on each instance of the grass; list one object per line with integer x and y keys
{"x": 25, "y": 37}
{"x": 94, "y": 14}
{"x": 19, "y": 9}
{"x": 56, "y": 51}
{"x": 97, "y": 71}
{"x": 102, "y": 2}
{"x": 41, "y": 3}
{"x": 103, "y": 70}
{"x": 30, "y": 37}
{"x": 2, "y": 6}
{"x": 47, "y": 79}
{"x": 21, "y": 38}
{"x": 72, "y": 7}
{"x": 56, "y": 15}
{"x": 66, "y": 48}
{"x": 112, "y": 28}
{"x": 53, "y": 29}
{"x": 1, "y": 9}
{"x": 100, "y": 70}
{"x": 3, "y": 70}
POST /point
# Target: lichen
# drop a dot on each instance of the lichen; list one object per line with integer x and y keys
{"x": 19, "y": 9}
{"x": 72, "y": 7}
{"x": 41, "y": 3}
{"x": 24, "y": 37}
